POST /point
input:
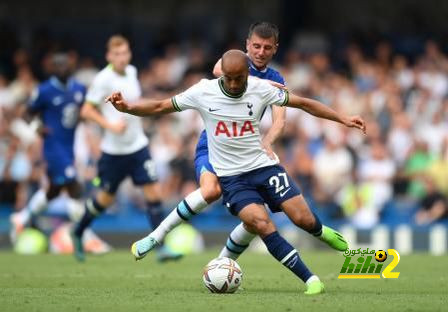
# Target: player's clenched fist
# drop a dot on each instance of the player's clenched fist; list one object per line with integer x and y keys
{"x": 118, "y": 102}
{"x": 355, "y": 122}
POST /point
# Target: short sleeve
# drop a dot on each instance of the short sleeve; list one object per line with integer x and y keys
{"x": 36, "y": 102}
{"x": 275, "y": 96}
{"x": 189, "y": 99}
{"x": 96, "y": 92}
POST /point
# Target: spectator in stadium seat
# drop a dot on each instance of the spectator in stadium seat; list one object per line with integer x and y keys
{"x": 433, "y": 206}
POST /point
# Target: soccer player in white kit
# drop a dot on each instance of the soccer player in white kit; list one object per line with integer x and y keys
{"x": 124, "y": 145}
{"x": 231, "y": 107}
{"x": 262, "y": 43}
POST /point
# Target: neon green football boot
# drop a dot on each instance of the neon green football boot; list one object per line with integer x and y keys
{"x": 315, "y": 288}
{"x": 334, "y": 239}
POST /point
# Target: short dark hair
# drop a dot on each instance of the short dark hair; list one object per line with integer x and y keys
{"x": 264, "y": 30}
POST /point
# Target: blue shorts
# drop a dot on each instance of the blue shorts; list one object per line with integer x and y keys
{"x": 61, "y": 168}
{"x": 270, "y": 185}
{"x": 201, "y": 161}
{"x": 113, "y": 169}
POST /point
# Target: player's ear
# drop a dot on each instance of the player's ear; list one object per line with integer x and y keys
{"x": 247, "y": 44}
{"x": 275, "y": 48}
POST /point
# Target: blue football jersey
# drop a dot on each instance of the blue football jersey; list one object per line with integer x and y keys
{"x": 267, "y": 73}
{"x": 58, "y": 106}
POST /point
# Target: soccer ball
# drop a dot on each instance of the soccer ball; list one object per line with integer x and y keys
{"x": 222, "y": 275}
{"x": 31, "y": 242}
{"x": 380, "y": 256}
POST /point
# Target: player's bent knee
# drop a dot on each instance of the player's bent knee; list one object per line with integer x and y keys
{"x": 249, "y": 228}
{"x": 211, "y": 192}
{"x": 105, "y": 199}
{"x": 152, "y": 191}
{"x": 262, "y": 226}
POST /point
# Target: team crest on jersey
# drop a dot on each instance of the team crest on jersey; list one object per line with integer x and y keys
{"x": 78, "y": 96}
{"x": 249, "y": 106}
{"x": 70, "y": 172}
{"x": 58, "y": 100}
{"x": 281, "y": 93}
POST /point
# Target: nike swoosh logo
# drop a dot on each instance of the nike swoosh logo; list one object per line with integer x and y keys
{"x": 141, "y": 254}
{"x": 283, "y": 193}
{"x": 213, "y": 109}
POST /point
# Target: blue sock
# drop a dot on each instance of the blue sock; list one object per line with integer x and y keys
{"x": 154, "y": 213}
{"x": 92, "y": 210}
{"x": 287, "y": 255}
{"x": 317, "y": 229}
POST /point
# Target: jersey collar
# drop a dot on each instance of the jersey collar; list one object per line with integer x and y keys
{"x": 55, "y": 82}
{"x": 111, "y": 67}
{"x": 236, "y": 96}
{"x": 256, "y": 69}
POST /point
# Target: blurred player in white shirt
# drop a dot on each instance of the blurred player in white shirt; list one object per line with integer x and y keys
{"x": 124, "y": 145}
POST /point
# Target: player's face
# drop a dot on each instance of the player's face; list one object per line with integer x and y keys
{"x": 61, "y": 67}
{"x": 119, "y": 57}
{"x": 261, "y": 50}
{"x": 235, "y": 82}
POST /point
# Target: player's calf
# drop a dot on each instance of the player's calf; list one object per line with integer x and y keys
{"x": 193, "y": 204}
{"x": 281, "y": 250}
{"x": 311, "y": 223}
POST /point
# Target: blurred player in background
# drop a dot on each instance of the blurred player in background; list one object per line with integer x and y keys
{"x": 124, "y": 145}
{"x": 231, "y": 108}
{"x": 57, "y": 103}
{"x": 262, "y": 44}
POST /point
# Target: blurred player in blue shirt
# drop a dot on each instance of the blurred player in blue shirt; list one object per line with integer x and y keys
{"x": 57, "y": 103}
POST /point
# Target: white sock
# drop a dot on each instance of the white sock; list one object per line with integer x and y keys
{"x": 312, "y": 279}
{"x": 75, "y": 209}
{"x": 238, "y": 240}
{"x": 36, "y": 205}
{"x": 190, "y": 206}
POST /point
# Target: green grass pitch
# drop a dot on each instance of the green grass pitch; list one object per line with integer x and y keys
{"x": 115, "y": 282}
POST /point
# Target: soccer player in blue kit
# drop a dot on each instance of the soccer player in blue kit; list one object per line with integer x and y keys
{"x": 231, "y": 108}
{"x": 57, "y": 102}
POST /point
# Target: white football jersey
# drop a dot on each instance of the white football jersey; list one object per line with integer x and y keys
{"x": 232, "y": 123}
{"x": 105, "y": 83}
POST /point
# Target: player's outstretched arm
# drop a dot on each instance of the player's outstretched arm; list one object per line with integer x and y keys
{"x": 321, "y": 110}
{"x": 143, "y": 107}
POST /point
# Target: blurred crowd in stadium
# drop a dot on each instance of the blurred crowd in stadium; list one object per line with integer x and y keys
{"x": 347, "y": 176}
